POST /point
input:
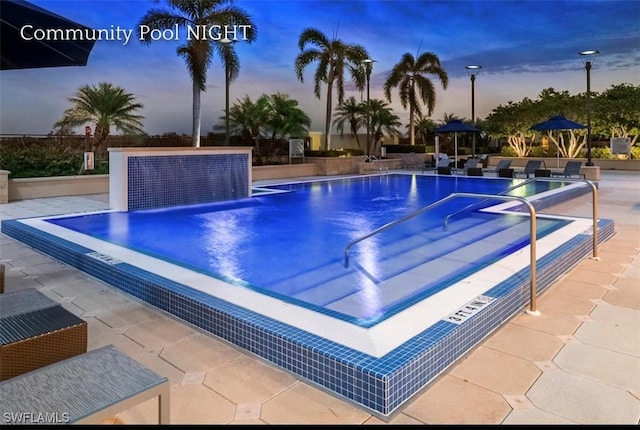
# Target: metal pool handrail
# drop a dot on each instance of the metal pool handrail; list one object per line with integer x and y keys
{"x": 521, "y": 184}
{"x": 594, "y": 208}
{"x": 532, "y": 234}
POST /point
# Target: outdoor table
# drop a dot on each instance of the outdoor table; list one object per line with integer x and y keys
{"x": 36, "y": 331}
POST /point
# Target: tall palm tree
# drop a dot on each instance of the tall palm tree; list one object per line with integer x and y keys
{"x": 334, "y": 57}
{"x": 198, "y": 52}
{"x": 352, "y": 112}
{"x": 414, "y": 86}
{"x": 105, "y": 106}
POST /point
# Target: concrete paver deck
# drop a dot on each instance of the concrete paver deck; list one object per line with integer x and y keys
{"x": 577, "y": 363}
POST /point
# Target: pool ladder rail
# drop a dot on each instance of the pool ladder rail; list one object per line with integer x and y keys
{"x": 485, "y": 197}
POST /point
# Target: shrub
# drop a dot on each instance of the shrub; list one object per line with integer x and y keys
{"x": 604, "y": 152}
{"x": 29, "y": 159}
{"x": 508, "y": 151}
{"x": 406, "y": 149}
{"x": 341, "y": 152}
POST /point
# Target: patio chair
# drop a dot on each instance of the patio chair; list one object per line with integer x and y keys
{"x": 444, "y": 161}
{"x": 474, "y": 171}
{"x": 471, "y": 163}
{"x": 530, "y": 168}
{"x": 572, "y": 168}
{"x": 502, "y": 164}
{"x": 484, "y": 159}
{"x": 430, "y": 163}
{"x": 506, "y": 173}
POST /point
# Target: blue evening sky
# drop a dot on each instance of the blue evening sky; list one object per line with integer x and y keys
{"x": 523, "y": 46}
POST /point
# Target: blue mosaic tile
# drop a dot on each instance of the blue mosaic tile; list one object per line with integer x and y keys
{"x": 380, "y": 385}
{"x": 169, "y": 180}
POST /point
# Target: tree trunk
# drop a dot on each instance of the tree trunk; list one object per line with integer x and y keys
{"x": 412, "y": 138}
{"x": 195, "y": 136}
{"x": 327, "y": 125}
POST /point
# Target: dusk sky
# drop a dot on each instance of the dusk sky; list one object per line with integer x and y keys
{"x": 522, "y": 46}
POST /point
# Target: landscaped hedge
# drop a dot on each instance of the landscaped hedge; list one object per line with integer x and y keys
{"x": 43, "y": 158}
{"x": 342, "y": 152}
{"x": 405, "y": 149}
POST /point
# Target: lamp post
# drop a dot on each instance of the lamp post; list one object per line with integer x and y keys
{"x": 227, "y": 43}
{"x": 369, "y": 67}
{"x": 586, "y": 57}
{"x": 473, "y": 71}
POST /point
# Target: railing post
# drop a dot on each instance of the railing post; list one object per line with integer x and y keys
{"x": 533, "y": 273}
{"x": 595, "y": 220}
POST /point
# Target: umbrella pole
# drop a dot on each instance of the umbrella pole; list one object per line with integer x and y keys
{"x": 456, "y": 152}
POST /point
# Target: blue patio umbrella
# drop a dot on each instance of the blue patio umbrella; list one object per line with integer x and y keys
{"x": 558, "y": 122}
{"x": 18, "y": 22}
{"x": 456, "y": 126}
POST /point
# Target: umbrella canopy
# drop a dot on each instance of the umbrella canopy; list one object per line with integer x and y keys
{"x": 456, "y": 126}
{"x": 557, "y": 122}
{"x": 17, "y": 52}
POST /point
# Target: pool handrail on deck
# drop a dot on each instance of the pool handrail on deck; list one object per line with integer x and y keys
{"x": 522, "y": 184}
{"x": 532, "y": 234}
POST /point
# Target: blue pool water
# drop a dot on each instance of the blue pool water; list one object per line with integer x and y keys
{"x": 290, "y": 244}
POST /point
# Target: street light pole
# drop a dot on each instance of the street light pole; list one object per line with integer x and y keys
{"x": 473, "y": 72}
{"x": 369, "y": 66}
{"x": 587, "y": 65}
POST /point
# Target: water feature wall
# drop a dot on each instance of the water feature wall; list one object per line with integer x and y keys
{"x": 150, "y": 178}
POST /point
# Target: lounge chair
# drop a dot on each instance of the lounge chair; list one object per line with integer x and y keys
{"x": 444, "y": 161}
{"x": 474, "y": 171}
{"x": 502, "y": 164}
{"x": 506, "y": 173}
{"x": 430, "y": 163}
{"x": 530, "y": 168}
{"x": 443, "y": 170}
{"x": 471, "y": 163}
{"x": 572, "y": 168}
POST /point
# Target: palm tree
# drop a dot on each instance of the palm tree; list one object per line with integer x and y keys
{"x": 414, "y": 87}
{"x": 424, "y": 127}
{"x": 198, "y": 52}
{"x": 248, "y": 119}
{"x": 383, "y": 120}
{"x": 285, "y": 119}
{"x": 352, "y": 112}
{"x": 104, "y": 106}
{"x": 333, "y": 57}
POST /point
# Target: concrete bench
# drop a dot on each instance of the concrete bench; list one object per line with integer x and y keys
{"x": 84, "y": 389}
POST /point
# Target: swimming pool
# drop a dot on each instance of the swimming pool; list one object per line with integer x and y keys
{"x": 290, "y": 243}
{"x": 375, "y": 332}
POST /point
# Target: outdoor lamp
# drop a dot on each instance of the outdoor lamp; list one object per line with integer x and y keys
{"x": 586, "y": 57}
{"x": 369, "y": 67}
{"x": 226, "y": 42}
{"x": 473, "y": 71}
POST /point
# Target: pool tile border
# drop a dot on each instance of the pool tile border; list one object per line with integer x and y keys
{"x": 380, "y": 385}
